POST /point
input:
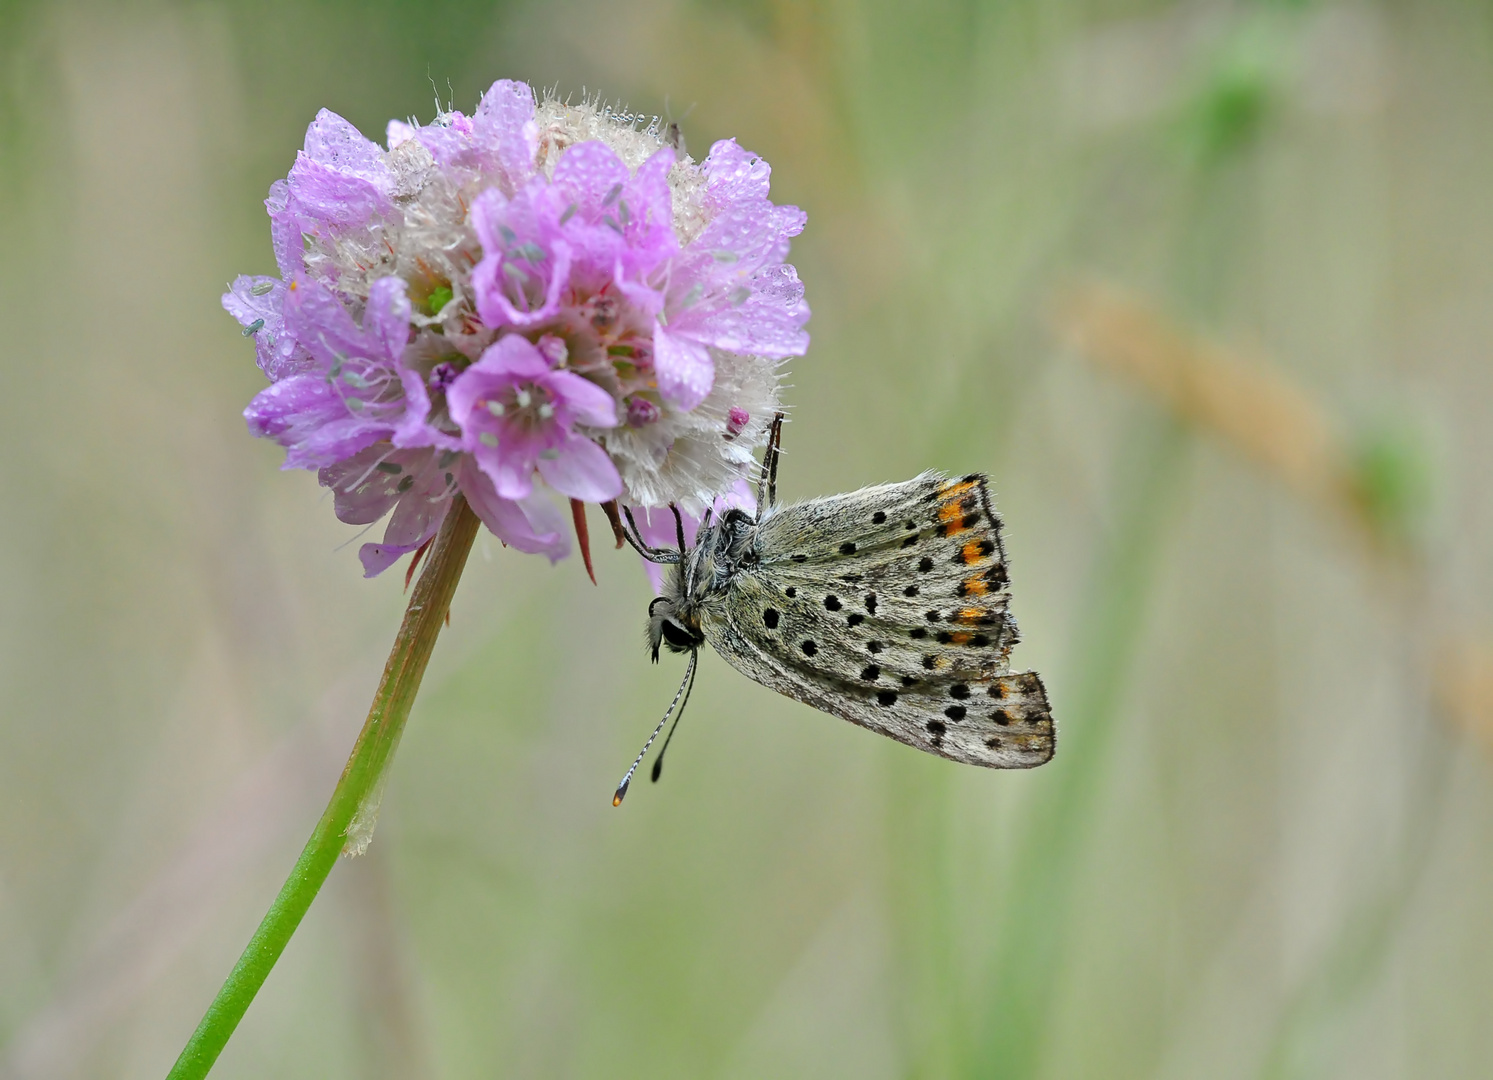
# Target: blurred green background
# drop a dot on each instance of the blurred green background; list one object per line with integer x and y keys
{"x": 1265, "y": 847}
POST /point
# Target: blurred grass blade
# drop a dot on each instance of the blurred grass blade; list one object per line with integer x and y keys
{"x": 1029, "y": 958}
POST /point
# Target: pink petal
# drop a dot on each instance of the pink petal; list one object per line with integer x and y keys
{"x": 277, "y": 352}
{"x": 305, "y": 415}
{"x": 511, "y": 463}
{"x": 397, "y": 132}
{"x": 587, "y": 403}
{"x": 504, "y": 127}
{"x": 415, "y": 521}
{"x": 361, "y": 492}
{"x": 317, "y": 319}
{"x": 533, "y": 525}
{"x": 587, "y": 174}
{"x": 376, "y": 558}
{"x": 387, "y": 316}
{"x": 648, "y": 300}
{"x": 735, "y": 175}
{"x": 285, "y": 232}
{"x": 583, "y": 471}
{"x": 486, "y": 216}
{"x": 513, "y": 356}
{"x": 412, "y": 430}
{"x": 684, "y": 369}
{"x": 335, "y": 143}
{"x": 328, "y": 196}
{"x": 757, "y": 326}
{"x": 648, "y": 194}
{"x": 418, "y": 514}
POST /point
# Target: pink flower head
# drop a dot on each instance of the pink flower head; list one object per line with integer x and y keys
{"x": 517, "y": 414}
{"x": 534, "y": 289}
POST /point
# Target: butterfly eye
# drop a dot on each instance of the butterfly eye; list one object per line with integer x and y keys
{"x": 678, "y": 637}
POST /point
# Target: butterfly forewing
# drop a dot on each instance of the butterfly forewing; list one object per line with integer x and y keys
{"x": 888, "y": 607}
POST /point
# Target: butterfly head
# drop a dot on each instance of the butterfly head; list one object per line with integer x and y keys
{"x": 671, "y": 628}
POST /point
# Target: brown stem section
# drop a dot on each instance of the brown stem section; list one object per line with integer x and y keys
{"x": 582, "y": 535}
{"x": 615, "y": 518}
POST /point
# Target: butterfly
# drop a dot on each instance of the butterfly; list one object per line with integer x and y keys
{"x": 885, "y": 606}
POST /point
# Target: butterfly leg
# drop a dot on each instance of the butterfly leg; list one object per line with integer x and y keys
{"x": 767, "y": 483}
{"x": 634, "y": 537}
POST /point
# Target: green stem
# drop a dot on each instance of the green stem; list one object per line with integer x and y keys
{"x": 356, "y": 793}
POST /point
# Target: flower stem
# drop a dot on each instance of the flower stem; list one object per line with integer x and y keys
{"x": 355, "y": 795}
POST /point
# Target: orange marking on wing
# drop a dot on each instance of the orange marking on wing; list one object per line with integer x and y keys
{"x": 951, "y": 516}
{"x": 970, "y": 615}
{"x": 959, "y": 637}
{"x": 976, "y": 586}
{"x": 971, "y": 553}
{"x": 955, "y": 488}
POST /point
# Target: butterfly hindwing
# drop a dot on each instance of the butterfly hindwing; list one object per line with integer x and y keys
{"x": 888, "y": 607}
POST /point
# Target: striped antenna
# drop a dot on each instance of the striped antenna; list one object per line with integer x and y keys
{"x": 682, "y": 692}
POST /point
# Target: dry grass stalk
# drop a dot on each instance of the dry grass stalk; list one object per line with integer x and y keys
{"x": 1266, "y": 416}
